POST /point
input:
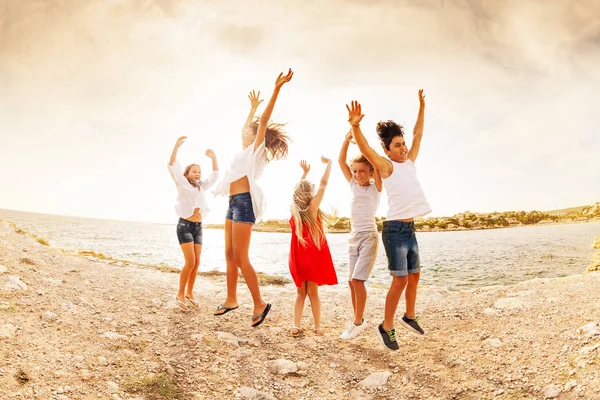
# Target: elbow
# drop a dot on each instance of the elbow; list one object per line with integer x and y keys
{"x": 324, "y": 182}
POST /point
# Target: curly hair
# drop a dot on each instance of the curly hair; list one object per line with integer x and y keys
{"x": 387, "y": 131}
{"x": 276, "y": 140}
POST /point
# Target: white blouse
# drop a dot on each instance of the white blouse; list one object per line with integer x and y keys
{"x": 248, "y": 163}
{"x": 188, "y": 197}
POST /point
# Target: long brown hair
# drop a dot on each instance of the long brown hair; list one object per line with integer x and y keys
{"x": 276, "y": 140}
{"x": 303, "y": 195}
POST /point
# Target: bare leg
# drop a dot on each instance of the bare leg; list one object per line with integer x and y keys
{"x": 232, "y": 269}
{"x": 189, "y": 289}
{"x": 299, "y": 304}
{"x": 392, "y": 299}
{"x": 411, "y": 294}
{"x": 189, "y": 257}
{"x": 241, "y": 242}
{"x": 315, "y": 303}
{"x": 360, "y": 299}
{"x": 353, "y": 297}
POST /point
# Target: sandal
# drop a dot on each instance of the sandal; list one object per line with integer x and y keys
{"x": 261, "y": 317}
{"x": 318, "y": 331}
{"x": 224, "y": 309}
{"x": 295, "y": 331}
{"x": 182, "y": 305}
{"x": 193, "y": 302}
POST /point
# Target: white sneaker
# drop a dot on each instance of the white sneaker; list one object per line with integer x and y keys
{"x": 353, "y": 330}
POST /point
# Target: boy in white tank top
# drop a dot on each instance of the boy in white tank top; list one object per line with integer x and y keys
{"x": 364, "y": 239}
{"x": 406, "y": 201}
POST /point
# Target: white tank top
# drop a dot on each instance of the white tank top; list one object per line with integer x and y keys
{"x": 365, "y": 200}
{"x": 406, "y": 198}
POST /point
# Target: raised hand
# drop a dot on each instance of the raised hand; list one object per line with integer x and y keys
{"x": 254, "y": 99}
{"x": 305, "y": 166}
{"x": 325, "y": 160}
{"x": 350, "y": 137}
{"x": 421, "y": 98}
{"x": 210, "y": 154}
{"x": 281, "y": 79}
{"x": 355, "y": 114}
{"x": 180, "y": 141}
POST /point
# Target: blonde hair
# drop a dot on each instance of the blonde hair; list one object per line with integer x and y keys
{"x": 362, "y": 159}
{"x": 303, "y": 195}
{"x": 186, "y": 171}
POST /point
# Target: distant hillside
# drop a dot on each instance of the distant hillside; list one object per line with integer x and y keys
{"x": 568, "y": 211}
{"x": 463, "y": 221}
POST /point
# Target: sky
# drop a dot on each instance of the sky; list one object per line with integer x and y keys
{"x": 93, "y": 95}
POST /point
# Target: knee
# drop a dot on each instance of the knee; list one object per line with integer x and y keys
{"x": 229, "y": 255}
{"x": 400, "y": 281}
{"x": 301, "y": 292}
{"x": 240, "y": 260}
{"x": 357, "y": 283}
{"x": 313, "y": 294}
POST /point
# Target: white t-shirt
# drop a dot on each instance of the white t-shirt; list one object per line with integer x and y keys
{"x": 188, "y": 197}
{"x": 248, "y": 163}
{"x": 365, "y": 200}
{"x": 406, "y": 198}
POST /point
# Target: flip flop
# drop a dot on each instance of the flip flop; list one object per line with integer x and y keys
{"x": 227, "y": 309}
{"x": 182, "y": 305}
{"x": 193, "y": 302}
{"x": 261, "y": 317}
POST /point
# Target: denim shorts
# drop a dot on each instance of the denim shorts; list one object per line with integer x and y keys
{"x": 401, "y": 248}
{"x": 240, "y": 208}
{"x": 188, "y": 231}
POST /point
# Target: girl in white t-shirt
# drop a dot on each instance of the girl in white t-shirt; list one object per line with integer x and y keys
{"x": 262, "y": 142}
{"x": 365, "y": 186}
{"x": 191, "y": 207}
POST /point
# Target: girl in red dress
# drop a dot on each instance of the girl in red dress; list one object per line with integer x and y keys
{"x": 310, "y": 259}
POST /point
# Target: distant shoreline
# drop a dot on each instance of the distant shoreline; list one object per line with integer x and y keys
{"x": 268, "y": 229}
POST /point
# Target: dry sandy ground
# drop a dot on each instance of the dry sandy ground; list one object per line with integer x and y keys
{"x": 87, "y": 329}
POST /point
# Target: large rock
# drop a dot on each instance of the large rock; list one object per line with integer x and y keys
{"x": 594, "y": 263}
{"x": 14, "y": 284}
{"x": 250, "y": 393}
{"x": 7, "y": 330}
{"x": 509, "y": 303}
{"x": 228, "y": 338}
{"x": 552, "y": 391}
{"x": 282, "y": 367}
{"x": 590, "y": 329}
{"x": 377, "y": 380}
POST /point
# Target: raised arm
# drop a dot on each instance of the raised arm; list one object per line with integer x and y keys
{"x": 305, "y": 167}
{"x": 266, "y": 115}
{"x": 380, "y": 163}
{"x": 254, "y": 103}
{"x": 343, "y": 158}
{"x": 212, "y": 178}
{"x": 315, "y": 203}
{"x": 178, "y": 144}
{"x": 377, "y": 179}
{"x": 418, "y": 129}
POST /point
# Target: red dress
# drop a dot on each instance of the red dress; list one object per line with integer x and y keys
{"x": 310, "y": 263}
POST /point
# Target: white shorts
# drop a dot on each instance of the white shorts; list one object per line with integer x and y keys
{"x": 362, "y": 249}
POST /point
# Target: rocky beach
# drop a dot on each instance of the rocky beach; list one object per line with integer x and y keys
{"x": 78, "y": 327}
